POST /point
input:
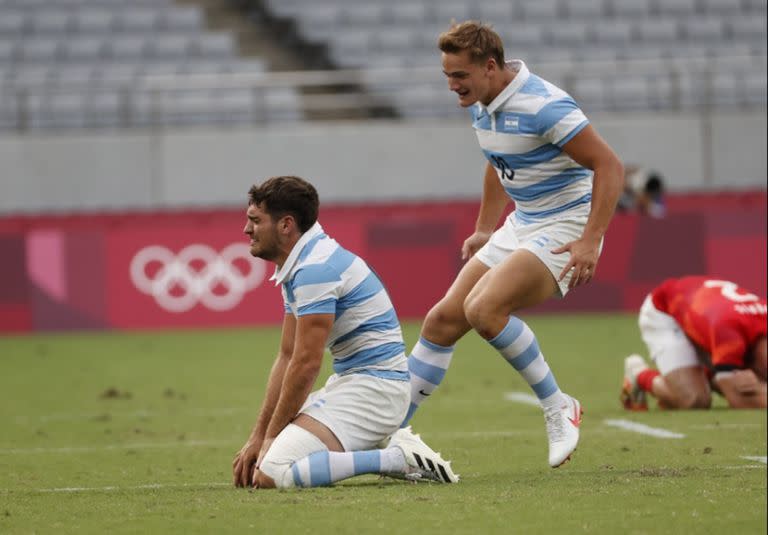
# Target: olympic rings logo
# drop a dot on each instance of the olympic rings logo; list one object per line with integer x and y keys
{"x": 177, "y": 286}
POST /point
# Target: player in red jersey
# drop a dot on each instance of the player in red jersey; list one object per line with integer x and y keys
{"x": 703, "y": 334}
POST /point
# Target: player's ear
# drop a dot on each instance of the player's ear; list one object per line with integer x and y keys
{"x": 491, "y": 66}
{"x": 287, "y": 224}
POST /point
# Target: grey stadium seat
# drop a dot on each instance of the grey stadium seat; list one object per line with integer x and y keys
{"x": 83, "y": 49}
{"x": 540, "y": 9}
{"x": 443, "y": 12}
{"x": 745, "y": 28}
{"x": 617, "y": 32}
{"x": 755, "y": 87}
{"x": 39, "y": 50}
{"x": 629, "y": 9}
{"x": 496, "y": 12}
{"x": 12, "y": 23}
{"x": 138, "y": 20}
{"x": 31, "y": 76}
{"x": 721, "y": 7}
{"x": 657, "y": 31}
{"x": 408, "y": 13}
{"x": 8, "y": 51}
{"x": 585, "y": 9}
{"x": 214, "y": 45}
{"x": 182, "y": 19}
{"x": 590, "y": 93}
{"x": 630, "y": 93}
{"x": 394, "y": 39}
{"x": 73, "y": 76}
{"x": 126, "y": 48}
{"x": 169, "y": 46}
{"x": 94, "y": 21}
{"x": 367, "y": 14}
{"x": 46, "y": 22}
{"x": 681, "y": 8}
{"x": 573, "y": 33}
{"x": 703, "y": 29}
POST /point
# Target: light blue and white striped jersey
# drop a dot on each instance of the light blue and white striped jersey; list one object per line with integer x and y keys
{"x": 321, "y": 277}
{"x": 522, "y": 133}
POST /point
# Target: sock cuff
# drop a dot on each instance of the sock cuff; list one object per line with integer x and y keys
{"x": 435, "y": 347}
{"x": 645, "y": 379}
{"x": 508, "y": 334}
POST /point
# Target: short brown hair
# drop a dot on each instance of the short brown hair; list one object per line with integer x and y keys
{"x": 287, "y": 195}
{"x": 480, "y": 39}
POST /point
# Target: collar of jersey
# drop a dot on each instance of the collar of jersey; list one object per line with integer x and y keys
{"x": 282, "y": 273}
{"x": 517, "y": 82}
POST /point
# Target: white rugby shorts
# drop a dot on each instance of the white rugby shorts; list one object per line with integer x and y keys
{"x": 538, "y": 238}
{"x": 668, "y": 345}
{"x": 360, "y": 409}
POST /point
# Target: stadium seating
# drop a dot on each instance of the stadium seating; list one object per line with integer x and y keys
{"x": 727, "y": 34}
{"x": 693, "y": 53}
{"x": 86, "y": 63}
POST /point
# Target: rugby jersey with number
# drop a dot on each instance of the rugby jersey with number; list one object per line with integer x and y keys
{"x": 522, "y": 133}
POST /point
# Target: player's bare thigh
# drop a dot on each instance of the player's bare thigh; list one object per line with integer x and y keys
{"x": 520, "y": 281}
{"x": 445, "y": 323}
{"x": 687, "y": 388}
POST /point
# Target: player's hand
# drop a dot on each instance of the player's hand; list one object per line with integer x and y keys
{"x": 584, "y": 254}
{"x": 262, "y": 452}
{"x": 474, "y": 243}
{"x": 245, "y": 463}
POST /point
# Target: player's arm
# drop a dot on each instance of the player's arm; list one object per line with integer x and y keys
{"x": 245, "y": 460}
{"x": 492, "y": 205}
{"x": 312, "y": 331}
{"x": 742, "y": 389}
{"x": 589, "y": 150}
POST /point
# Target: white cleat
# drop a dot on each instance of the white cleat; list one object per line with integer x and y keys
{"x": 422, "y": 462}
{"x": 563, "y": 430}
{"x": 632, "y": 397}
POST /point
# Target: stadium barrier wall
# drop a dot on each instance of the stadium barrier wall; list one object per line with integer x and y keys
{"x": 187, "y": 269}
{"x": 390, "y": 161}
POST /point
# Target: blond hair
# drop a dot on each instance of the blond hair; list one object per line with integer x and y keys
{"x": 479, "y": 39}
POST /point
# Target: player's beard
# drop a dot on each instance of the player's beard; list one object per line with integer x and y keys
{"x": 266, "y": 249}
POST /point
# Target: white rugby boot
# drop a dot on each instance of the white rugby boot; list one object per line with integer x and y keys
{"x": 563, "y": 430}
{"x": 632, "y": 398}
{"x": 422, "y": 462}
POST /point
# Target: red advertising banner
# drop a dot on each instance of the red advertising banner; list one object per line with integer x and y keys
{"x": 193, "y": 268}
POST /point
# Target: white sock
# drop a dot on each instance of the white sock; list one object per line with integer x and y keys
{"x": 427, "y": 364}
{"x": 518, "y": 345}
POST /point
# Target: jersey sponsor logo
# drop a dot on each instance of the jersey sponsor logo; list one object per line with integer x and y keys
{"x": 197, "y": 274}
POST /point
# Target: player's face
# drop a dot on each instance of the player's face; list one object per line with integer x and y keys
{"x": 470, "y": 81}
{"x": 263, "y": 233}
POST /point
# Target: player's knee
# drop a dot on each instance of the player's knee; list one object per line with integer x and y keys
{"x": 274, "y": 475}
{"x": 263, "y": 481}
{"x": 442, "y": 316}
{"x": 479, "y": 315}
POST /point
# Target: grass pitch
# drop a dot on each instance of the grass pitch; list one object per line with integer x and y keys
{"x": 135, "y": 432}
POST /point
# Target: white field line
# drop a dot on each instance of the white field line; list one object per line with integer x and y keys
{"x": 757, "y": 458}
{"x": 135, "y": 446}
{"x": 148, "y": 486}
{"x": 522, "y": 397}
{"x": 65, "y": 416}
{"x": 643, "y": 429}
{"x": 710, "y": 427}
